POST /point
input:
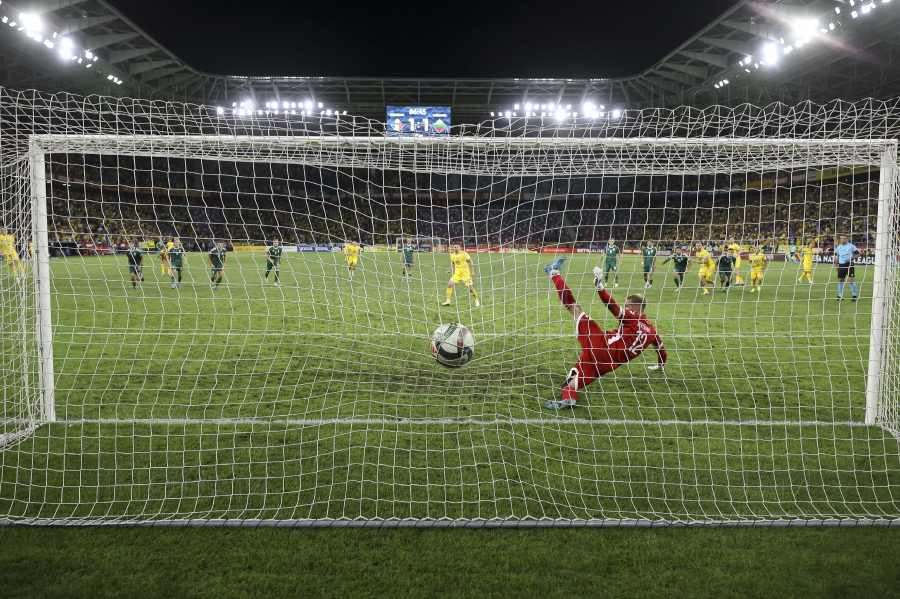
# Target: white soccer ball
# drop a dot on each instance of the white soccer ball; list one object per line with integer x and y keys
{"x": 453, "y": 345}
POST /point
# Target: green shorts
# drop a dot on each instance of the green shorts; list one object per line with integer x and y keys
{"x": 178, "y": 268}
{"x": 216, "y": 271}
{"x": 725, "y": 273}
{"x": 408, "y": 264}
{"x": 611, "y": 266}
{"x": 134, "y": 270}
{"x": 648, "y": 267}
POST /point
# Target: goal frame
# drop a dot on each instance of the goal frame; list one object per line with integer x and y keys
{"x": 40, "y": 145}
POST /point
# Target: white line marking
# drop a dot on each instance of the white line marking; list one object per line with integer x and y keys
{"x": 450, "y": 421}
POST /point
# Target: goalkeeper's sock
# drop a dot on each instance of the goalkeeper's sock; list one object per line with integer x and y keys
{"x": 569, "y": 394}
{"x": 565, "y": 294}
{"x": 840, "y": 290}
{"x": 853, "y": 288}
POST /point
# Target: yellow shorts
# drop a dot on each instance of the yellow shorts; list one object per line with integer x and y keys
{"x": 807, "y": 266}
{"x": 352, "y": 260}
{"x": 737, "y": 264}
{"x": 11, "y": 256}
{"x": 462, "y": 276}
{"x": 756, "y": 274}
{"x": 705, "y": 273}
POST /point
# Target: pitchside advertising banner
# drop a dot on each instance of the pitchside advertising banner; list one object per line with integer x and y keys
{"x": 418, "y": 120}
{"x": 858, "y": 261}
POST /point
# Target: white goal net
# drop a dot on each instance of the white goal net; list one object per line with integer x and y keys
{"x": 214, "y": 318}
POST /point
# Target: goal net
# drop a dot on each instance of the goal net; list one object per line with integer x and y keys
{"x": 151, "y": 377}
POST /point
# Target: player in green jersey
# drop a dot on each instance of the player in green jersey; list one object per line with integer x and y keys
{"x": 135, "y": 263}
{"x": 649, "y": 254}
{"x": 217, "y": 257}
{"x": 409, "y": 259}
{"x": 682, "y": 263}
{"x": 726, "y": 267}
{"x": 610, "y": 261}
{"x": 273, "y": 259}
{"x": 178, "y": 260}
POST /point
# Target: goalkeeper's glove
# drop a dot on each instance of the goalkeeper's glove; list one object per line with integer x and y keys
{"x": 598, "y": 278}
{"x": 656, "y": 367}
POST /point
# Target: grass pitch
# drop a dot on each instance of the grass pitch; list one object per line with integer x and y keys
{"x": 319, "y": 399}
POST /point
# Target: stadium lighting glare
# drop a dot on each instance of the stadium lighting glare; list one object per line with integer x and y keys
{"x": 852, "y": 2}
{"x": 528, "y": 107}
{"x": 286, "y": 105}
{"x": 543, "y": 106}
{"x": 568, "y": 107}
{"x": 727, "y": 82}
{"x": 543, "y": 114}
{"x": 516, "y": 106}
{"x": 65, "y": 42}
{"x": 837, "y": 10}
{"x": 31, "y": 22}
{"x": 492, "y": 114}
{"x": 220, "y": 110}
{"x": 37, "y": 37}
{"x": 716, "y": 85}
{"x": 79, "y": 61}
{"x": 110, "y": 78}
{"x": 831, "y": 26}
{"x": 293, "y": 105}
{"x": 308, "y": 106}
{"x": 96, "y": 57}
{"x": 549, "y": 106}
{"x": 12, "y": 23}
{"x": 560, "y": 115}
{"x": 88, "y": 54}
{"x": 89, "y": 65}
{"x": 320, "y": 105}
{"x": 345, "y": 112}
{"x": 770, "y": 53}
{"x": 865, "y": 9}
{"x": 616, "y": 114}
{"x": 748, "y": 70}
{"x": 48, "y": 43}
{"x": 508, "y": 114}
{"x": 328, "y": 112}
{"x": 824, "y": 30}
{"x": 788, "y": 50}
{"x": 854, "y": 14}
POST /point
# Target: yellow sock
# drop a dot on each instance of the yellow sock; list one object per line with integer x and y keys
{"x": 449, "y": 292}
{"x": 475, "y": 293}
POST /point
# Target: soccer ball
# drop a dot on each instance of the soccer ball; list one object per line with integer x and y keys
{"x": 453, "y": 345}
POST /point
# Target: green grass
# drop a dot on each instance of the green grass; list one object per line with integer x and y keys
{"x": 224, "y": 563}
{"x": 318, "y": 399}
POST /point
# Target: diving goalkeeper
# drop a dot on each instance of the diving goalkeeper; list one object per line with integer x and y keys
{"x": 603, "y": 351}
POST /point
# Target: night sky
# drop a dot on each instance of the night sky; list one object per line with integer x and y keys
{"x": 553, "y": 38}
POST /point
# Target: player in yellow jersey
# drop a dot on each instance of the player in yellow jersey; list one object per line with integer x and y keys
{"x": 163, "y": 256}
{"x": 757, "y": 266}
{"x": 169, "y": 245}
{"x": 707, "y": 266}
{"x": 351, "y": 250}
{"x": 8, "y": 251}
{"x": 461, "y": 273}
{"x": 807, "y": 253}
{"x": 738, "y": 279}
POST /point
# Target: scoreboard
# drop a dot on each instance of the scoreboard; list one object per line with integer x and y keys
{"x": 418, "y": 120}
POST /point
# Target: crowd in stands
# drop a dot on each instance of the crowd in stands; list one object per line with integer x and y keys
{"x": 105, "y": 201}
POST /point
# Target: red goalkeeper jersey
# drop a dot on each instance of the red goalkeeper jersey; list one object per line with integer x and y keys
{"x": 633, "y": 336}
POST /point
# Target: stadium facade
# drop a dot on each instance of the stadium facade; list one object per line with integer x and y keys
{"x": 756, "y": 52}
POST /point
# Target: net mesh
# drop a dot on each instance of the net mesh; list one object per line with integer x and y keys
{"x": 299, "y": 386}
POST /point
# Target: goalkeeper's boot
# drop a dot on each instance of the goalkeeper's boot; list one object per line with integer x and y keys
{"x": 570, "y": 396}
{"x": 555, "y": 267}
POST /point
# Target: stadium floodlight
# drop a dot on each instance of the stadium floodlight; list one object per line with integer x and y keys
{"x": 716, "y": 85}
{"x": 865, "y": 9}
{"x": 560, "y": 115}
{"x": 328, "y": 112}
{"x": 770, "y": 53}
{"x": 854, "y": 14}
{"x": 492, "y": 114}
{"x": 516, "y": 106}
{"x": 48, "y": 43}
{"x": 748, "y": 70}
{"x": 31, "y": 22}
{"x": 727, "y": 82}
{"x": 837, "y": 10}
{"x": 308, "y": 105}
{"x": 88, "y": 54}
{"x": 110, "y": 78}
{"x": 550, "y": 106}
{"x": 293, "y": 105}
{"x": 5, "y": 19}
{"x": 285, "y": 105}
{"x": 508, "y": 114}
{"x": 345, "y": 112}
{"x": 320, "y": 105}
{"x": 89, "y": 65}
{"x": 595, "y": 114}
{"x": 220, "y": 110}
{"x": 616, "y": 114}
{"x": 528, "y": 107}
{"x": 788, "y": 50}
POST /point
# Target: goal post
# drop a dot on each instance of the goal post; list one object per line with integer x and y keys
{"x": 43, "y": 327}
{"x": 297, "y": 387}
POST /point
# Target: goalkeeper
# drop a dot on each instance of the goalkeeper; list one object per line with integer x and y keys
{"x": 602, "y": 352}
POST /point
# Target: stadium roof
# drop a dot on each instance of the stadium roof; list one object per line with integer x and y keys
{"x": 798, "y": 50}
